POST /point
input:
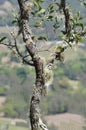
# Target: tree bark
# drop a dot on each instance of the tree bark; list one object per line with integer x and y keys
{"x": 36, "y": 122}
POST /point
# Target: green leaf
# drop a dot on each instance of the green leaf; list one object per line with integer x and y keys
{"x": 51, "y": 11}
{"x": 57, "y": 4}
{"x": 79, "y": 38}
{"x": 42, "y": 0}
{"x": 78, "y": 14}
{"x": 80, "y": 25}
{"x": 38, "y": 24}
{"x": 51, "y": 6}
{"x": 14, "y": 21}
{"x": 50, "y": 17}
{"x": 38, "y": 1}
{"x": 59, "y": 49}
{"x": 84, "y": 3}
{"x": 2, "y": 39}
{"x": 42, "y": 10}
{"x": 42, "y": 38}
{"x": 56, "y": 25}
{"x": 80, "y": 18}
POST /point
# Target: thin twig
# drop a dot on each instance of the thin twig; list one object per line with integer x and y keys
{"x": 23, "y": 57}
{"x": 67, "y": 17}
{"x": 8, "y": 45}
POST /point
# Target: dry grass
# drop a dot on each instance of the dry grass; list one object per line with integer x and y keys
{"x": 66, "y": 121}
{"x": 2, "y": 100}
{"x": 62, "y": 121}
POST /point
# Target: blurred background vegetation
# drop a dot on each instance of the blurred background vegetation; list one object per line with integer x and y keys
{"x": 67, "y": 94}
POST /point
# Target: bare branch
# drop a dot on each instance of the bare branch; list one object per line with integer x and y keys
{"x": 83, "y": 33}
{"x": 8, "y": 45}
{"x": 67, "y": 17}
{"x": 23, "y": 57}
{"x": 18, "y": 53}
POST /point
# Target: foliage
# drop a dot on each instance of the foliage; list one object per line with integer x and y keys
{"x": 2, "y": 91}
{"x": 22, "y": 74}
{"x": 9, "y": 111}
{"x": 48, "y": 18}
{"x": 73, "y": 32}
{"x": 69, "y": 83}
{"x": 10, "y": 127}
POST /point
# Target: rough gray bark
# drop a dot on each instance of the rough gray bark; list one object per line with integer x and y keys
{"x": 36, "y": 122}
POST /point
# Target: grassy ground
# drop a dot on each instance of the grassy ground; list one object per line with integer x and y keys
{"x": 65, "y": 121}
{"x": 6, "y": 124}
{"x": 62, "y": 122}
{"x": 11, "y": 127}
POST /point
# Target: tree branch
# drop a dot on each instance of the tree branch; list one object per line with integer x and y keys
{"x": 20, "y": 54}
{"x": 67, "y": 17}
{"x": 17, "y": 52}
{"x": 8, "y": 45}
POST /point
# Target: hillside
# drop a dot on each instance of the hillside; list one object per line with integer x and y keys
{"x": 64, "y": 107}
{"x": 8, "y": 9}
{"x": 57, "y": 122}
{"x": 67, "y": 90}
{"x": 65, "y": 121}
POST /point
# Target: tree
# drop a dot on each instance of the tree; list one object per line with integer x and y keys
{"x": 72, "y": 33}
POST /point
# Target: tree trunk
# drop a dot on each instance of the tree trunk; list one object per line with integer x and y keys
{"x": 36, "y": 97}
{"x": 36, "y": 122}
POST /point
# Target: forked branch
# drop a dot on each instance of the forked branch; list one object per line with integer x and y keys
{"x": 67, "y": 17}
